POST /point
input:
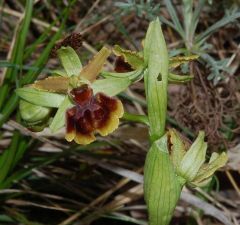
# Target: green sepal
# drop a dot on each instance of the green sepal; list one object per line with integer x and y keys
{"x": 59, "y": 72}
{"x": 207, "y": 170}
{"x": 70, "y": 61}
{"x": 174, "y": 78}
{"x": 134, "y": 76}
{"x": 193, "y": 159}
{"x": 41, "y": 98}
{"x": 156, "y": 78}
{"x": 161, "y": 185}
{"x": 131, "y": 57}
{"x": 110, "y": 86}
{"x": 59, "y": 119}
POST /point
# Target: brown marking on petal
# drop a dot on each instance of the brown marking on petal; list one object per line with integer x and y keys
{"x": 121, "y": 66}
{"x": 82, "y": 95}
{"x": 84, "y": 122}
{"x": 113, "y": 110}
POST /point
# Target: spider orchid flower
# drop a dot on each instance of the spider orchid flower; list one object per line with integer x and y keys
{"x": 85, "y": 105}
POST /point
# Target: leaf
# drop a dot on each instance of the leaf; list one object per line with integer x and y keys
{"x": 41, "y": 98}
{"x": 70, "y": 61}
{"x": 133, "y": 58}
{"x": 133, "y": 75}
{"x": 161, "y": 186}
{"x": 193, "y": 159}
{"x": 52, "y": 84}
{"x": 179, "y": 60}
{"x": 174, "y": 18}
{"x": 16, "y": 55}
{"x": 224, "y": 21}
{"x": 111, "y": 86}
{"x": 156, "y": 58}
{"x": 59, "y": 118}
{"x": 94, "y": 67}
{"x": 174, "y": 78}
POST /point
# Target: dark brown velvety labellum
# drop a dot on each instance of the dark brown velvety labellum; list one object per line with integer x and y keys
{"x": 99, "y": 113}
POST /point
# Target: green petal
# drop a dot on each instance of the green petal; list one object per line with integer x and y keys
{"x": 174, "y": 78}
{"x": 70, "y": 61}
{"x": 133, "y": 75}
{"x": 42, "y": 98}
{"x": 95, "y": 65}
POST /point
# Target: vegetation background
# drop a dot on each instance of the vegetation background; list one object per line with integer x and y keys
{"x": 45, "y": 180}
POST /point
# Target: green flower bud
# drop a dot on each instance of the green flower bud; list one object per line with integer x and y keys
{"x": 169, "y": 166}
{"x": 190, "y": 164}
{"x": 35, "y": 117}
{"x": 162, "y": 187}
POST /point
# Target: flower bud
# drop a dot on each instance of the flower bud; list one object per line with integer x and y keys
{"x": 190, "y": 163}
{"x": 169, "y": 166}
{"x": 34, "y": 116}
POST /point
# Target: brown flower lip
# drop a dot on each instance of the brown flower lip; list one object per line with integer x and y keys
{"x": 91, "y": 113}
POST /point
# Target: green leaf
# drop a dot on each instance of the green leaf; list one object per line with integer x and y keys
{"x": 193, "y": 159}
{"x": 70, "y": 61}
{"x": 188, "y": 19}
{"x": 133, "y": 58}
{"x": 133, "y": 75}
{"x": 42, "y": 98}
{"x": 19, "y": 40}
{"x": 196, "y": 16}
{"x": 175, "y": 19}
{"x": 161, "y": 186}
{"x": 174, "y": 78}
{"x": 156, "y": 78}
{"x": 59, "y": 119}
{"x": 111, "y": 86}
